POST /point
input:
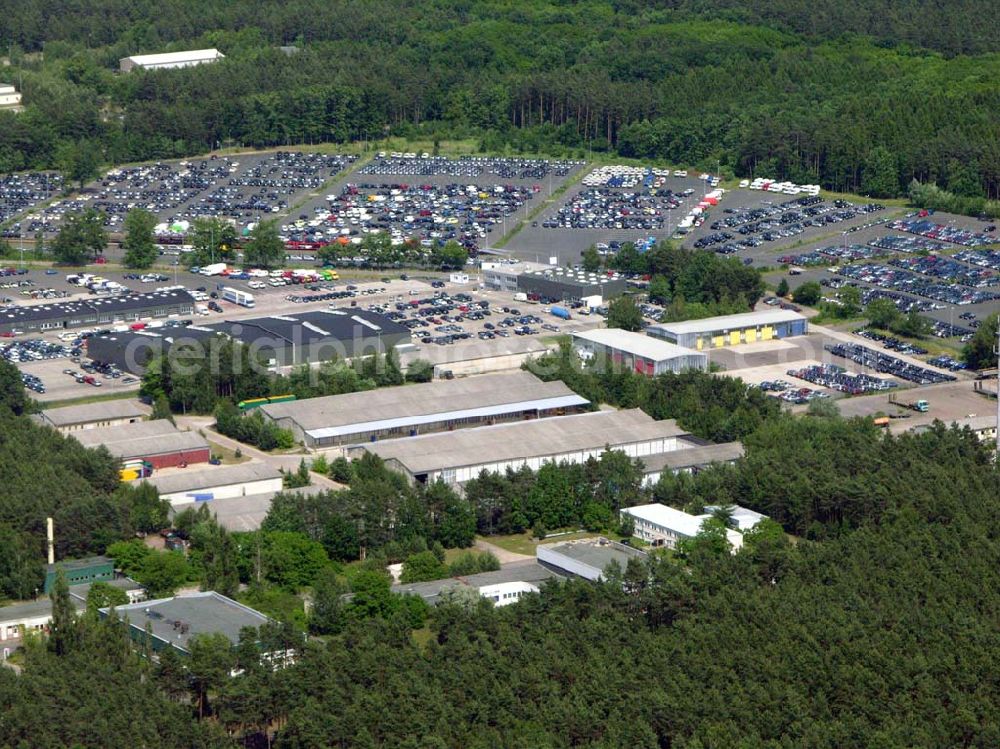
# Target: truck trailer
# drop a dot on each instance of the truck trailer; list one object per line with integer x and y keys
{"x": 237, "y": 296}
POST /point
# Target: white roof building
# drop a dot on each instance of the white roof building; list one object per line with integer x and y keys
{"x": 660, "y": 525}
{"x": 644, "y": 354}
{"x": 170, "y": 60}
{"x": 10, "y": 97}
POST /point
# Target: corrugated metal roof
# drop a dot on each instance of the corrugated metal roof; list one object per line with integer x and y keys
{"x": 636, "y": 344}
{"x": 539, "y": 438}
{"x": 88, "y": 412}
{"x": 563, "y": 401}
{"x": 410, "y": 401}
{"x": 728, "y": 322}
{"x": 142, "y": 439}
{"x": 694, "y": 456}
{"x": 207, "y": 478}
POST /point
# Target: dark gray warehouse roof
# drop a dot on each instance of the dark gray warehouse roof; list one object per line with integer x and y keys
{"x": 312, "y": 327}
{"x": 111, "y": 304}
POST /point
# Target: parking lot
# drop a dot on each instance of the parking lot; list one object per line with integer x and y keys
{"x": 242, "y": 188}
{"x": 21, "y": 192}
{"x": 604, "y": 213}
{"x": 432, "y": 212}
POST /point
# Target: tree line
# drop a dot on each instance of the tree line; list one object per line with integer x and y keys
{"x": 812, "y": 93}
{"x": 844, "y": 641}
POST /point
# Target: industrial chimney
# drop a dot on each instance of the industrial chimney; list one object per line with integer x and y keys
{"x": 51, "y": 535}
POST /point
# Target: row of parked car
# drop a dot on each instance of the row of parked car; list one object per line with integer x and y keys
{"x": 33, "y": 382}
{"x": 645, "y": 209}
{"x": 35, "y": 349}
{"x": 22, "y": 191}
{"x": 886, "y": 364}
{"x": 891, "y": 342}
{"x": 425, "y": 165}
{"x": 837, "y": 378}
{"x": 886, "y": 277}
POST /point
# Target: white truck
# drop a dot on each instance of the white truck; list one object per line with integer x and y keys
{"x": 214, "y": 269}
{"x": 237, "y": 296}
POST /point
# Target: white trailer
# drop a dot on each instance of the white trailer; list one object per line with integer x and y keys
{"x": 237, "y": 296}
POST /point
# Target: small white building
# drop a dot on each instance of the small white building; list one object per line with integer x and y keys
{"x": 184, "y": 486}
{"x": 744, "y": 518}
{"x": 659, "y": 525}
{"x": 170, "y": 60}
{"x": 502, "y": 276}
{"x": 22, "y": 618}
{"x": 10, "y": 97}
{"x": 504, "y": 594}
{"x": 636, "y": 352}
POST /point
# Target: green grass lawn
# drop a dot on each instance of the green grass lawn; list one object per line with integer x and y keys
{"x": 228, "y": 456}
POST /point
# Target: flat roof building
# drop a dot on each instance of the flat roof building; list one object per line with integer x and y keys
{"x": 731, "y": 330}
{"x": 587, "y": 558}
{"x": 183, "y": 487}
{"x": 743, "y": 518}
{"x": 457, "y": 457}
{"x": 636, "y": 352}
{"x": 10, "y": 97}
{"x": 174, "y": 621}
{"x": 157, "y": 442}
{"x": 30, "y": 617}
{"x": 659, "y": 525}
{"x": 98, "y": 311}
{"x": 92, "y": 415}
{"x": 317, "y": 336}
{"x": 276, "y": 341}
{"x": 168, "y": 60}
{"x": 243, "y": 514}
{"x": 409, "y": 410}
{"x": 80, "y": 571}
{"x": 502, "y": 276}
{"x": 560, "y": 284}
{"x": 502, "y": 586}
{"x": 689, "y": 460}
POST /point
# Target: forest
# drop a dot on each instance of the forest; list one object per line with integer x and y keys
{"x": 855, "y": 96}
{"x": 880, "y": 636}
{"x": 873, "y": 624}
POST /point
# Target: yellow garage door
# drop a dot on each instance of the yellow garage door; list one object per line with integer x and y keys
{"x": 734, "y": 337}
{"x": 751, "y": 334}
{"x": 719, "y": 341}
{"x": 766, "y": 333}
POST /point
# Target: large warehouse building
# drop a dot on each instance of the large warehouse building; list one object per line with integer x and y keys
{"x": 277, "y": 341}
{"x": 167, "y": 60}
{"x": 731, "y": 330}
{"x": 410, "y": 410}
{"x": 457, "y": 457}
{"x": 98, "y": 311}
{"x": 157, "y": 442}
{"x": 561, "y": 284}
{"x": 71, "y": 419}
{"x": 636, "y": 352}
{"x": 321, "y": 335}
